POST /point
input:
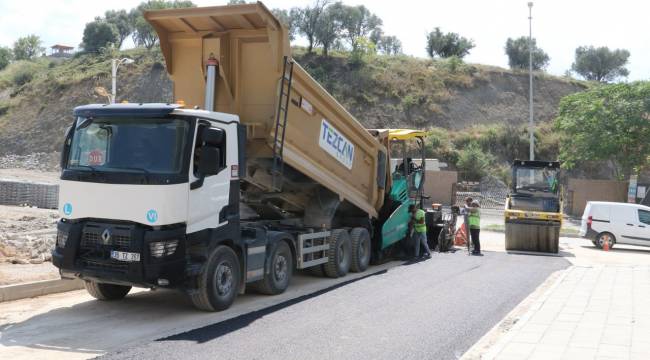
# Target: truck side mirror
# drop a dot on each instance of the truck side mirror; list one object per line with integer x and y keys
{"x": 210, "y": 161}
{"x": 65, "y": 152}
{"x": 213, "y": 137}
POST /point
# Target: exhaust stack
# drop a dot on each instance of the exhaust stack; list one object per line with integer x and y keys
{"x": 211, "y": 82}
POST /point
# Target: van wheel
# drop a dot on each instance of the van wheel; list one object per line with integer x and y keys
{"x": 360, "y": 239}
{"x": 338, "y": 263}
{"x": 106, "y": 291}
{"x": 605, "y": 237}
{"x": 276, "y": 281}
{"x": 218, "y": 283}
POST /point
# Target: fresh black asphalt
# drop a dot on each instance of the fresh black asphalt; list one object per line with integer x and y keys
{"x": 434, "y": 309}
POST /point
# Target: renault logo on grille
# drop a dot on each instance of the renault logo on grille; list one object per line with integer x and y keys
{"x": 106, "y": 236}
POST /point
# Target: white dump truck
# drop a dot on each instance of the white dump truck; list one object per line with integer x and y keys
{"x": 260, "y": 173}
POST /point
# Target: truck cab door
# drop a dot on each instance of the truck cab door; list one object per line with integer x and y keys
{"x": 209, "y": 193}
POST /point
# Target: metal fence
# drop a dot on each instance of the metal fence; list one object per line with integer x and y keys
{"x": 489, "y": 192}
{"x": 18, "y": 193}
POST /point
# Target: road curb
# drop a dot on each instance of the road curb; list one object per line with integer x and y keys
{"x": 38, "y": 288}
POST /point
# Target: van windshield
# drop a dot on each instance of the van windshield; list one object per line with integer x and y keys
{"x": 129, "y": 145}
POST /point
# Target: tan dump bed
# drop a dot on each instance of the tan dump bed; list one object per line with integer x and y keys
{"x": 250, "y": 44}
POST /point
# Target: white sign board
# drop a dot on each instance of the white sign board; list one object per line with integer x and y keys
{"x": 335, "y": 144}
{"x": 640, "y": 192}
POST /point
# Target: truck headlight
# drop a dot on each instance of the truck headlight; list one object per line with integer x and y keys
{"x": 159, "y": 249}
{"x": 61, "y": 238}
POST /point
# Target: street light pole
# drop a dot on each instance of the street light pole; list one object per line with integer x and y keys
{"x": 116, "y": 64}
{"x": 531, "y": 124}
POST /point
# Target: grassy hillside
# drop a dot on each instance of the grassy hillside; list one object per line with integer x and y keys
{"x": 464, "y": 103}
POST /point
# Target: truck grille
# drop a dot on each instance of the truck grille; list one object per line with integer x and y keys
{"x": 93, "y": 236}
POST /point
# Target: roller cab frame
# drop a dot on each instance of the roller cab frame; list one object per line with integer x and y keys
{"x": 533, "y": 209}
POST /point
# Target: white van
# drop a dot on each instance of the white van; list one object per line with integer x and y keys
{"x": 616, "y": 223}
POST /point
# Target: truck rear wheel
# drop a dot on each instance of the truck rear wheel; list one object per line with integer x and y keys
{"x": 101, "y": 291}
{"x": 360, "y": 239}
{"x": 280, "y": 267}
{"x": 338, "y": 263}
{"x": 218, "y": 283}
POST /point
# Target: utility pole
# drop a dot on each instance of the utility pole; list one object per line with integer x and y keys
{"x": 531, "y": 124}
{"x": 115, "y": 65}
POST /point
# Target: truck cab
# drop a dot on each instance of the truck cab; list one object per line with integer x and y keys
{"x": 143, "y": 184}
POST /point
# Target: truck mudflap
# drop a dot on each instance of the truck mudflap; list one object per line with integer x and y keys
{"x": 89, "y": 252}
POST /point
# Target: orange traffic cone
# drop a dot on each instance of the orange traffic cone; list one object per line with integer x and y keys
{"x": 606, "y": 245}
{"x": 461, "y": 236}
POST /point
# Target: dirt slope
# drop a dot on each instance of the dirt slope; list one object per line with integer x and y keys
{"x": 384, "y": 92}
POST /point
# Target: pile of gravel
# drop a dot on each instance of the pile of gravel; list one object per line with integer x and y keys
{"x": 35, "y": 161}
{"x": 27, "y": 249}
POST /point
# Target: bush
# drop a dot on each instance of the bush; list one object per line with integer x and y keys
{"x": 21, "y": 72}
{"x": 473, "y": 162}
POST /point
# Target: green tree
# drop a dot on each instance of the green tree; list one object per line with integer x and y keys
{"x": 5, "y": 57}
{"x": 358, "y": 23}
{"x": 607, "y": 123}
{"x": 99, "y": 34}
{"x": 447, "y": 45}
{"x": 389, "y": 45}
{"x": 473, "y": 162}
{"x": 364, "y": 50}
{"x": 518, "y": 54}
{"x": 600, "y": 64}
{"x": 287, "y": 19}
{"x": 329, "y": 28}
{"x": 307, "y": 20}
{"x": 143, "y": 34}
{"x": 27, "y": 47}
{"x": 120, "y": 19}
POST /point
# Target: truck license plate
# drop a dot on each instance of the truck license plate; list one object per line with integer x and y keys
{"x": 125, "y": 256}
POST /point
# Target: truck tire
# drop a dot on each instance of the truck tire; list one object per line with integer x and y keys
{"x": 360, "y": 240}
{"x": 338, "y": 263}
{"x": 106, "y": 292}
{"x": 280, "y": 267}
{"x": 218, "y": 283}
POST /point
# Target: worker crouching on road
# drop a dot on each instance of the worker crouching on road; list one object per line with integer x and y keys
{"x": 474, "y": 220}
{"x": 419, "y": 231}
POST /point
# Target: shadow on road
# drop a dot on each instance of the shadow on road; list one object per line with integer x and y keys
{"x": 214, "y": 331}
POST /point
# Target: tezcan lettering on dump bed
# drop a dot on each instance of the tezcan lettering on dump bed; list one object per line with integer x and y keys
{"x": 335, "y": 144}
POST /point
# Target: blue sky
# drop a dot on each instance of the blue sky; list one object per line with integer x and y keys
{"x": 559, "y": 25}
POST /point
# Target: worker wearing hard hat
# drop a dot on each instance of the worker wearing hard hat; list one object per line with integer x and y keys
{"x": 474, "y": 222}
{"x": 419, "y": 231}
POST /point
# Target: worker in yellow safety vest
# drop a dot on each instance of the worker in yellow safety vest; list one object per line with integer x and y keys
{"x": 419, "y": 231}
{"x": 474, "y": 220}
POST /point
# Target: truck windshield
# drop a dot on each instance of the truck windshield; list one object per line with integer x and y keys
{"x": 129, "y": 144}
{"x": 537, "y": 179}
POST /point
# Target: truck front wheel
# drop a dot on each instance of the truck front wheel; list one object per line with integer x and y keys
{"x": 360, "y": 249}
{"x": 338, "y": 263}
{"x": 276, "y": 279}
{"x": 106, "y": 292}
{"x": 218, "y": 283}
